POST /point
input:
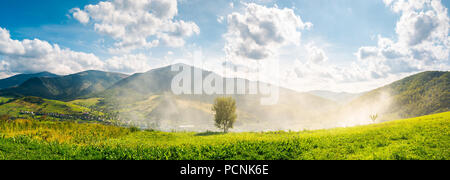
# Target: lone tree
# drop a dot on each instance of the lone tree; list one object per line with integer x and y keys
{"x": 225, "y": 112}
{"x": 374, "y": 117}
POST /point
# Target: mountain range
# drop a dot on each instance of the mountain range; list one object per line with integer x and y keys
{"x": 68, "y": 87}
{"x": 147, "y": 97}
{"x": 146, "y": 100}
{"x": 339, "y": 97}
{"x": 20, "y": 78}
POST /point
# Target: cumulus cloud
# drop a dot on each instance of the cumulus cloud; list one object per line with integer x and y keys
{"x": 128, "y": 63}
{"x": 29, "y": 56}
{"x": 79, "y": 15}
{"x": 421, "y": 43}
{"x": 316, "y": 68}
{"x": 415, "y": 28}
{"x": 422, "y": 40}
{"x": 36, "y": 55}
{"x": 316, "y": 55}
{"x": 259, "y": 31}
{"x": 138, "y": 23}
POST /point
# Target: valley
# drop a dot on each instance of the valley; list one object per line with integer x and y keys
{"x": 418, "y": 138}
{"x": 145, "y": 100}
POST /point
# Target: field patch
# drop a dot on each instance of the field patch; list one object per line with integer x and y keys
{"x": 424, "y": 137}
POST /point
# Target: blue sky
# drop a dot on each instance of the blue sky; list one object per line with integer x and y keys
{"x": 48, "y": 20}
{"x": 340, "y": 30}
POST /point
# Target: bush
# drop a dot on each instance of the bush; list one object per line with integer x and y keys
{"x": 134, "y": 129}
{"x": 4, "y": 118}
{"x": 34, "y": 100}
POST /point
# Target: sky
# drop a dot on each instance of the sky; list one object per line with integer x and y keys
{"x": 336, "y": 45}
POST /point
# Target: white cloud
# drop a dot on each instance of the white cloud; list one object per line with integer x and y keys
{"x": 414, "y": 28}
{"x": 422, "y": 44}
{"x": 9, "y": 46}
{"x": 259, "y": 31}
{"x": 29, "y": 56}
{"x": 36, "y": 55}
{"x": 316, "y": 55}
{"x": 128, "y": 63}
{"x": 79, "y": 15}
{"x": 220, "y": 19}
{"x": 138, "y": 23}
{"x": 265, "y": 33}
{"x": 316, "y": 68}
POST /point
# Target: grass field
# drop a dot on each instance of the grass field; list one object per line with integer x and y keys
{"x": 424, "y": 137}
{"x": 36, "y": 104}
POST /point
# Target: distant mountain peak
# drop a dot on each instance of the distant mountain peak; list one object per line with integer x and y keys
{"x": 65, "y": 87}
{"x": 44, "y": 72}
{"x": 339, "y": 97}
{"x": 18, "y": 79}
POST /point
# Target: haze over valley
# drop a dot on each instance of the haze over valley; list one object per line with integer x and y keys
{"x": 147, "y": 101}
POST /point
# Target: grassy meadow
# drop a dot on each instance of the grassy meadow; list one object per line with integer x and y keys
{"x": 424, "y": 137}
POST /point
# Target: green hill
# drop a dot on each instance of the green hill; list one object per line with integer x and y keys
{"x": 417, "y": 95}
{"x": 421, "y": 94}
{"x": 424, "y": 137}
{"x": 20, "y": 78}
{"x": 15, "y": 108}
{"x": 68, "y": 87}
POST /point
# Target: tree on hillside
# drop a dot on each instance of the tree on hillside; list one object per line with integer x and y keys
{"x": 224, "y": 112}
{"x": 374, "y": 117}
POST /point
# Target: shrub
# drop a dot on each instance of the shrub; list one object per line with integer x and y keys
{"x": 134, "y": 129}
